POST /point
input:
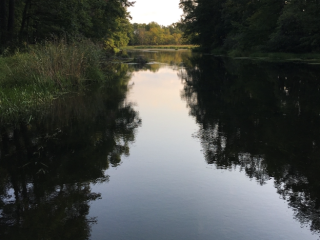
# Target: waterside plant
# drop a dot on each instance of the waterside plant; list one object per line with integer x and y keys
{"x": 31, "y": 80}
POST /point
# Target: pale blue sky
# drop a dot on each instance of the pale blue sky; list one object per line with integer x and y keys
{"x": 163, "y": 12}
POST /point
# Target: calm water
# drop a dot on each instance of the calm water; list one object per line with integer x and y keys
{"x": 189, "y": 147}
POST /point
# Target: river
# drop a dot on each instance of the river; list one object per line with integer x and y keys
{"x": 191, "y": 146}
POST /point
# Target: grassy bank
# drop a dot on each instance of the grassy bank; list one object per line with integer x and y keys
{"x": 31, "y": 80}
{"x": 177, "y": 47}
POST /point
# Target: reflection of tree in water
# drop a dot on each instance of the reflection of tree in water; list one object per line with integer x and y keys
{"x": 48, "y": 165}
{"x": 262, "y": 118}
{"x": 174, "y": 59}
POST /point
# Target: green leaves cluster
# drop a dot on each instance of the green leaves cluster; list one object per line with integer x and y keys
{"x": 250, "y": 25}
{"x": 31, "y": 21}
{"x": 155, "y": 34}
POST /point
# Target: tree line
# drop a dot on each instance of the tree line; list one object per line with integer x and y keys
{"x": 155, "y": 34}
{"x": 31, "y": 21}
{"x": 253, "y": 25}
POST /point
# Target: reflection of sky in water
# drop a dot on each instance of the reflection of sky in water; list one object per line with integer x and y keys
{"x": 10, "y": 196}
{"x": 166, "y": 190}
{"x": 220, "y": 155}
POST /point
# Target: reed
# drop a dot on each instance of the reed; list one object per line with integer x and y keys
{"x": 30, "y": 80}
{"x": 59, "y": 63}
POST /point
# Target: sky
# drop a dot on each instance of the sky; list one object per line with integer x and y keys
{"x": 163, "y": 12}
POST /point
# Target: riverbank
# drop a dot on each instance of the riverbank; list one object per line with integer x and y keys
{"x": 31, "y": 80}
{"x": 312, "y": 58}
{"x": 177, "y": 47}
{"x": 278, "y": 55}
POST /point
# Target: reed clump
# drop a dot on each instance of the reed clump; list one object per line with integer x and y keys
{"x": 58, "y": 64}
{"x": 31, "y": 80}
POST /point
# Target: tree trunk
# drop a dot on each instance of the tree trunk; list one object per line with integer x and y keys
{"x": 24, "y": 18}
{"x": 11, "y": 19}
{"x": 3, "y": 22}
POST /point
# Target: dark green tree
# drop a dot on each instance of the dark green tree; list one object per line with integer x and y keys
{"x": 203, "y": 22}
{"x": 298, "y": 29}
{"x": 37, "y": 20}
{"x": 250, "y": 25}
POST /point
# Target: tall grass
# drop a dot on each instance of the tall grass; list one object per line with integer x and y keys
{"x": 58, "y": 64}
{"x": 30, "y": 80}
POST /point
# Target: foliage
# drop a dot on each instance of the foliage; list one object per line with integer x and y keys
{"x": 298, "y": 27}
{"x": 32, "y": 80}
{"x": 31, "y": 21}
{"x": 248, "y": 26}
{"x": 154, "y": 34}
{"x": 120, "y": 37}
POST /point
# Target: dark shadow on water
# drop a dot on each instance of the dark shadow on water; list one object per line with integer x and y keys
{"x": 264, "y": 119}
{"x": 257, "y": 117}
{"x": 47, "y": 166}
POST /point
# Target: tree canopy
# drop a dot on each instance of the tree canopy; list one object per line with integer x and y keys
{"x": 30, "y": 21}
{"x": 249, "y": 25}
{"x": 155, "y": 34}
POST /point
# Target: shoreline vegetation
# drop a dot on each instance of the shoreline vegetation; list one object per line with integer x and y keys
{"x": 49, "y": 49}
{"x": 274, "y": 29}
{"x": 45, "y": 55}
{"x": 175, "y": 47}
{"x": 273, "y": 56}
{"x": 31, "y": 80}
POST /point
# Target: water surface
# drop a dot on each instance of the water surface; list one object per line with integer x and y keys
{"x": 196, "y": 147}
